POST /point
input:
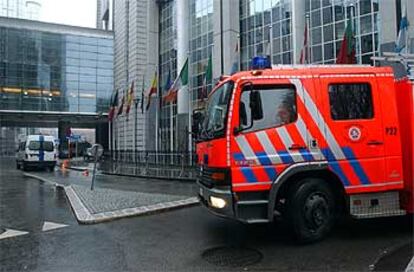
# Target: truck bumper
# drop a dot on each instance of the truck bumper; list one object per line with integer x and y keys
{"x": 40, "y": 164}
{"x": 209, "y": 197}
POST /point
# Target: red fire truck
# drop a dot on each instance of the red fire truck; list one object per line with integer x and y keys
{"x": 308, "y": 144}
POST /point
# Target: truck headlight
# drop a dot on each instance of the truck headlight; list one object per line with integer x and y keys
{"x": 217, "y": 202}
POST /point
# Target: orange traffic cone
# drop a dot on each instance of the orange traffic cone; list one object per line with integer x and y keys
{"x": 85, "y": 173}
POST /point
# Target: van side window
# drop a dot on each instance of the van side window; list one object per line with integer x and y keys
{"x": 279, "y": 107}
{"x": 350, "y": 101}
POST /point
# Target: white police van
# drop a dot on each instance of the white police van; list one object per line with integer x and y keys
{"x": 36, "y": 151}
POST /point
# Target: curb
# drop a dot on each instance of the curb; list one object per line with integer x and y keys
{"x": 150, "y": 177}
{"x": 42, "y": 179}
{"x": 83, "y": 215}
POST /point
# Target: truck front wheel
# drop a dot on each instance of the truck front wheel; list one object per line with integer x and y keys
{"x": 311, "y": 209}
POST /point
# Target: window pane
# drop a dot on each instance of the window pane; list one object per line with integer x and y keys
{"x": 279, "y": 107}
{"x": 350, "y": 101}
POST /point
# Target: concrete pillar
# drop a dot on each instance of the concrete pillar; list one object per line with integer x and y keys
{"x": 62, "y": 131}
{"x": 298, "y": 29}
{"x": 226, "y": 25}
{"x": 183, "y": 95}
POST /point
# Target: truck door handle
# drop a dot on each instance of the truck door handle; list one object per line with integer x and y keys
{"x": 296, "y": 147}
{"x": 375, "y": 143}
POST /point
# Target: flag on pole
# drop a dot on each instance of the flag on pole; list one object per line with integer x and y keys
{"x": 304, "y": 52}
{"x": 167, "y": 86}
{"x": 235, "y": 66}
{"x": 142, "y": 94}
{"x": 179, "y": 82}
{"x": 152, "y": 91}
{"x": 346, "y": 54}
{"x": 130, "y": 97}
{"x": 121, "y": 108}
{"x": 207, "y": 77}
{"x": 401, "y": 42}
{"x": 114, "y": 103}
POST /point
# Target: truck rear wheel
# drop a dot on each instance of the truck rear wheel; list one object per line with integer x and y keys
{"x": 311, "y": 210}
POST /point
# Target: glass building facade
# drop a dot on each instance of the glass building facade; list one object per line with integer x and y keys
{"x": 167, "y": 68}
{"x": 263, "y": 21}
{"x": 22, "y": 9}
{"x": 328, "y": 20}
{"x": 201, "y": 44}
{"x": 45, "y": 71}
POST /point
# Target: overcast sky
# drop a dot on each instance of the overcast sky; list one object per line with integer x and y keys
{"x": 69, "y": 12}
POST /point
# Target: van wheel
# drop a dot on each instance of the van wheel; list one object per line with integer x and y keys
{"x": 17, "y": 165}
{"x": 23, "y": 167}
{"x": 311, "y": 210}
{"x": 52, "y": 168}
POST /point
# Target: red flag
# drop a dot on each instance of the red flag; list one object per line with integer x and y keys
{"x": 346, "y": 54}
{"x": 171, "y": 96}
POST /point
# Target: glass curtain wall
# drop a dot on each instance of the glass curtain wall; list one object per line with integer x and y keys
{"x": 266, "y": 29}
{"x": 42, "y": 71}
{"x": 328, "y": 19}
{"x": 167, "y": 67}
{"x": 201, "y": 46}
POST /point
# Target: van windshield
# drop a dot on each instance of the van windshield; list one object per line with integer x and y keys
{"x": 37, "y": 145}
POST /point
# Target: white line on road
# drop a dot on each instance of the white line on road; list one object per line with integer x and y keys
{"x": 51, "y": 226}
{"x": 12, "y": 233}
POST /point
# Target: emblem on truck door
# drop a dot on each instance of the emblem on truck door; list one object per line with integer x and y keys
{"x": 354, "y": 134}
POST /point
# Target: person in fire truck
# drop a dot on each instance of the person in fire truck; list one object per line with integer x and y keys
{"x": 285, "y": 113}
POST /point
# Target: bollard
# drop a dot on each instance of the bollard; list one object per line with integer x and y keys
{"x": 97, "y": 151}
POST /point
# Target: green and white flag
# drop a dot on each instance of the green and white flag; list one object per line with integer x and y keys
{"x": 179, "y": 82}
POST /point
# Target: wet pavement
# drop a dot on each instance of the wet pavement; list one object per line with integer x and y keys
{"x": 180, "y": 240}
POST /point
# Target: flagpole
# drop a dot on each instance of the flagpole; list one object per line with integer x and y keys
{"x": 157, "y": 107}
{"x": 270, "y": 44}
{"x": 308, "y": 43}
{"x": 190, "y": 106}
{"x": 407, "y": 34}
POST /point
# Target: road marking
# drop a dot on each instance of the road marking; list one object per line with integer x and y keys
{"x": 12, "y": 233}
{"x": 410, "y": 266}
{"x": 51, "y": 226}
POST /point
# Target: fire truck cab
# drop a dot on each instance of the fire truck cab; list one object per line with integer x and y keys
{"x": 308, "y": 144}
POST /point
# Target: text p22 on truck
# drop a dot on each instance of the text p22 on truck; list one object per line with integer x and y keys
{"x": 308, "y": 144}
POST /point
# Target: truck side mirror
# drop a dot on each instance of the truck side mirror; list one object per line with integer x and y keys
{"x": 198, "y": 118}
{"x": 243, "y": 114}
{"x": 256, "y": 105}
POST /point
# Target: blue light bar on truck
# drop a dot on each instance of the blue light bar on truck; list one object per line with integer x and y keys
{"x": 261, "y": 62}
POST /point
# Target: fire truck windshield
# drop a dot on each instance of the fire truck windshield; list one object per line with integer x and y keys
{"x": 214, "y": 123}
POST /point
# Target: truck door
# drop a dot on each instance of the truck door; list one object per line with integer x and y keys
{"x": 354, "y": 129}
{"x": 264, "y": 147}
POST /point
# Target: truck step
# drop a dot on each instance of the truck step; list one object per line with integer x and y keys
{"x": 257, "y": 221}
{"x": 373, "y": 205}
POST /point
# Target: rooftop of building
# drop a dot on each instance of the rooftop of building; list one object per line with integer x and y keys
{"x": 54, "y": 28}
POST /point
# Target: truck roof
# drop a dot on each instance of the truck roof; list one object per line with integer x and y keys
{"x": 312, "y": 70}
{"x": 36, "y": 137}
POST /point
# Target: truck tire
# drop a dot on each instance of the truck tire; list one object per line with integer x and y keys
{"x": 311, "y": 210}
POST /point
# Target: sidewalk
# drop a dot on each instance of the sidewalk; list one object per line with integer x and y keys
{"x": 117, "y": 196}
